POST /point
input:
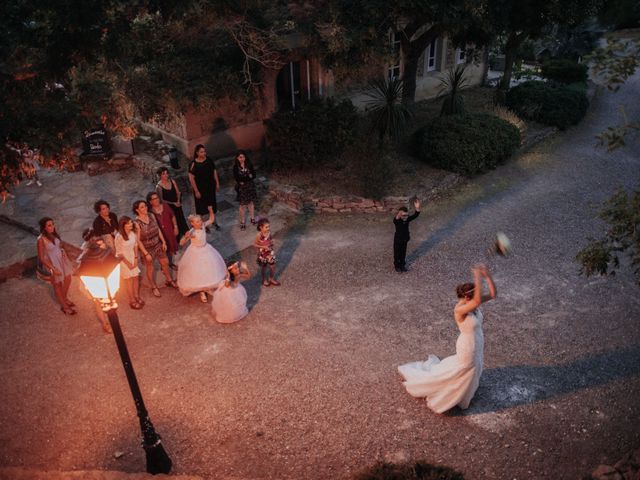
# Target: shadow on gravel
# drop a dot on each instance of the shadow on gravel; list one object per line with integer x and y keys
{"x": 466, "y": 212}
{"x": 284, "y": 254}
{"x": 506, "y": 387}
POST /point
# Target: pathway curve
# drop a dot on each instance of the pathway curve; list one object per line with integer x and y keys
{"x": 306, "y": 385}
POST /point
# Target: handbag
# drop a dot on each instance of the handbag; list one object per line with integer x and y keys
{"x": 43, "y": 273}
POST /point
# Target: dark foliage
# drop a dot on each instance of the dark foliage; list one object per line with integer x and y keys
{"x": 452, "y": 83}
{"x": 621, "y": 213}
{"x": 409, "y": 471}
{"x": 317, "y": 132}
{"x": 369, "y": 167}
{"x": 620, "y": 14}
{"x": 549, "y": 103}
{"x": 565, "y": 71}
{"x": 467, "y": 144}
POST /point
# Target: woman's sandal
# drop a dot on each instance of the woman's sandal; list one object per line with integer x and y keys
{"x": 71, "y": 304}
{"x": 275, "y": 283}
{"x": 156, "y": 292}
{"x": 243, "y": 226}
{"x": 253, "y": 221}
{"x": 170, "y": 284}
{"x": 266, "y": 283}
{"x": 203, "y": 297}
{"x": 140, "y": 302}
{"x": 135, "y": 305}
{"x": 68, "y": 310}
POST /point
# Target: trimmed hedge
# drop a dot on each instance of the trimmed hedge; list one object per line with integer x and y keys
{"x": 315, "y": 133}
{"x": 549, "y": 103}
{"x": 468, "y": 144}
{"x": 565, "y": 71}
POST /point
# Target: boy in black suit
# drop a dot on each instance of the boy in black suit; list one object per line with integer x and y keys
{"x": 401, "y": 238}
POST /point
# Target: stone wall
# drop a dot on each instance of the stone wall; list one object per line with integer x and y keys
{"x": 297, "y": 199}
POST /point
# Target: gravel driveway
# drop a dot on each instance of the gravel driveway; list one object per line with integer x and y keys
{"x": 306, "y": 386}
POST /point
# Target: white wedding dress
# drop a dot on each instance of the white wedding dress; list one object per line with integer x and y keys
{"x": 454, "y": 380}
{"x": 201, "y": 268}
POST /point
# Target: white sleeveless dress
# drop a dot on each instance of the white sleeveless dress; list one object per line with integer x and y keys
{"x": 454, "y": 380}
{"x": 126, "y": 248}
{"x": 201, "y": 268}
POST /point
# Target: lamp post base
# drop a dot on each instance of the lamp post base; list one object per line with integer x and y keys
{"x": 157, "y": 459}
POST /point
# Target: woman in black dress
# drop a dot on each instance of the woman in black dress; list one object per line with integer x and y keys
{"x": 203, "y": 177}
{"x": 170, "y": 194}
{"x": 244, "y": 173}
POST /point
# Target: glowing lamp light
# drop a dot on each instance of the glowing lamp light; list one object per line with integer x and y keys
{"x": 100, "y": 287}
{"x": 100, "y": 274}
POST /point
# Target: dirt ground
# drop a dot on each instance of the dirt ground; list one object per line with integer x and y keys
{"x": 306, "y": 386}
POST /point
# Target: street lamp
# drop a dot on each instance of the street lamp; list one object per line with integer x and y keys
{"x": 100, "y": 273}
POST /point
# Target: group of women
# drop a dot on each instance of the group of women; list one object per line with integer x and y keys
{"x": 155, "y": 232}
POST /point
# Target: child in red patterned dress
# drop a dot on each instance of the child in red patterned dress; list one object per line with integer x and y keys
{"x": 266, "y": 255}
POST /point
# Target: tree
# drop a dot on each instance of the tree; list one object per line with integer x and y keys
{"x": 519, "y": 20}
{"x": 355, "y": 33}
{"x": 622, "y": 214}
{"x": 70, "y": 65}
{"x": 614, "y": 64}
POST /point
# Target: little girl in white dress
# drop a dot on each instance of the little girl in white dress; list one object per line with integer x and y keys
{"x": 230, "y": 300}
{"x": 201, "y": 268}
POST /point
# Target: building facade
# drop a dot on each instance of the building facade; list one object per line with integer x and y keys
{"x": 231, "y": 127}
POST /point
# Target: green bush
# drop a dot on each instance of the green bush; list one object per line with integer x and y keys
{"x": 467, "y": 144}
{"x": 549, "y": 103}
{"x": 565, "y": 71}
{"x": 317, "y": 132}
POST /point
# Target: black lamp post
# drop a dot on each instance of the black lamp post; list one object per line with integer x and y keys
{"x": 100, "y": 273}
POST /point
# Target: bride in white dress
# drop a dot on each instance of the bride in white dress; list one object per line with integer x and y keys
{"x": 455, "y": 379}
{"x": 201, "y": 268}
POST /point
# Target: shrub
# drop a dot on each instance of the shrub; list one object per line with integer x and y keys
{"x": 408, "y": 471}
{"x": 452, "y": 83}
{"x": 565, "y": 71}
{"x": 369, "y": 168}
{"x": 508, "y": 116}
{"x": 389, "y": 117}
{"x": 312, "y": 135}
{"x": 467, "y": 144}
{"x": 549, "y": 103}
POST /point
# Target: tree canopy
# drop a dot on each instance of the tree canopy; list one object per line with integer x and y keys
{"x": 71, "y": 65}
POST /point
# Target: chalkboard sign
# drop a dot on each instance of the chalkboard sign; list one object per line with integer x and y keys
{"x": 96, "y": 142}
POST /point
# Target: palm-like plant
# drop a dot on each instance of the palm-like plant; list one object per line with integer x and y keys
{"x": 452, "y": 83}
{"x": 388, "y": 115}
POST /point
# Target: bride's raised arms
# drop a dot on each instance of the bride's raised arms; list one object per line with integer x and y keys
{"x": 470, "y": 296}
{"x": 492, "y": 286}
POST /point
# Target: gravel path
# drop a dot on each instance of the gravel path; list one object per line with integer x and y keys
{"x": 306, "y": 386}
